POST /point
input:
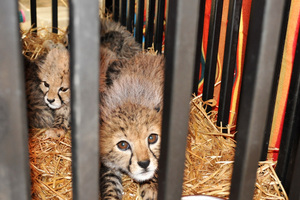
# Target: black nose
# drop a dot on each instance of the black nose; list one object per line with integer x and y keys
{"x": 50, "y": 100}
{"x": 144, "y": 164}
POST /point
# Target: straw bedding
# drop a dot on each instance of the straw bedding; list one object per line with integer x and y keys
{"x": 209, "y": 154}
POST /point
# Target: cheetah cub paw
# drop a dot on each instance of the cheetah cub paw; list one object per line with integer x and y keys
{"x": 148, "y": 192}
{"x": 55, "y": 133}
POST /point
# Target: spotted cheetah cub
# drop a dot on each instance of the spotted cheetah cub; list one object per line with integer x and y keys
{"x": 130, "y": 129}
{"x": 48, "y": 93}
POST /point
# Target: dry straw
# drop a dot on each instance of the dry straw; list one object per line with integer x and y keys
{"x": 50, "y": 164}
{"x": 209, "y": 153}
{"x": 33, "y": 39}
{"x": 210, "y": 158}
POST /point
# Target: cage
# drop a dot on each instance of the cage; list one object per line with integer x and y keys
{"x": 238, "y": 57}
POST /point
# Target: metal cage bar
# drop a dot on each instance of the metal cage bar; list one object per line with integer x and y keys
{"x": 291, "y": 127}
{"x": 199, "y": 47}
{"x": 159, "y": 25}
{"x": 115, "y": 10}
{"x": 54, "y": 16}
{"x": 294, "y": 193}
{"x": 229, "y": 62}
{"x": 139, "y": 21}
{"x": 130, "y": 15}
{"x": 212, "y": 49}
{"x": 33, "y": 13}
{"x": 276, "y": 79}
{"x": 109, "y": 6}
{"x": 149, "y": 23}
{"x": 179, "y": 54}
{"x": 84, "y": 94}
{"x": 14, "y": 161}
{"x": 260, "y": 60}
{"x": 122, "y": 11}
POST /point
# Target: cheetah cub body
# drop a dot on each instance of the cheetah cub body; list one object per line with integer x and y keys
{"x": 130, "y": 130}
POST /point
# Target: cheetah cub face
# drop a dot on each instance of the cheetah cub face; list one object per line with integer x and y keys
{"x": 55, "y": 78}
{"x": 134, "y": 146}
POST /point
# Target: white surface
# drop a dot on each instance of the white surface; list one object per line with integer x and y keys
{"x": 200, "y": 197}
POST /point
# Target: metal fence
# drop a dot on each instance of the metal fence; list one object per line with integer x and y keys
{"x": 267, "y": 29}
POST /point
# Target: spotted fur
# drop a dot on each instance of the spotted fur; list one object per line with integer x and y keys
{"x": 48, "y": 92}
{"x": 116, "y": 38}
{"x": 39, "y": 115}
{"x": 131, "y": 113}
{"x": 131, "y": 89}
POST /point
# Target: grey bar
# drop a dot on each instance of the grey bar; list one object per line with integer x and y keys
{"x": 260, "y": 61}
{"x": 84, "y": 29}
{"x": 180, "y": 53}
{"x": 14, "y": 162}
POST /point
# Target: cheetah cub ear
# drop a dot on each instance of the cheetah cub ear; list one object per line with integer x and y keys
{"x": 113, "y": 72}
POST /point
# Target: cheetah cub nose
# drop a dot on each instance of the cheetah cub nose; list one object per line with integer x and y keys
{"x": 50, "y": 100}
{"x": 144, "y": 164}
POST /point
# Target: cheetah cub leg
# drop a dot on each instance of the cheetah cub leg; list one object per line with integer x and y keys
{"x": 148, "y": 190}
{"x": 110, "y": 184}
{"x": 61, "y": 123}
{"x": 55, "y": 133}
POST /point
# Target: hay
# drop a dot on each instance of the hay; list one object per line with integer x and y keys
{"x": 210, "y": 158}
{"x": 32, "y": 42}
{"x": 50, "y": 164}
{"x": 209, "y": 153}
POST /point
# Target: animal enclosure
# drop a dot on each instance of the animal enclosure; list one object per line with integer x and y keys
{"x": 191, "y": 46}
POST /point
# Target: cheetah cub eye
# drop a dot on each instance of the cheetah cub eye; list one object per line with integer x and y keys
{"x": 123, "y": 145}
{"x": 46, "y": 84}
{"x": 63, "y": 89}
{"x": 152, "y": 139}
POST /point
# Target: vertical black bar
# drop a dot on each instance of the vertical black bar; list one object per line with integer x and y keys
{"x": 159, "y": 25}
{"x": 84, "y": 95}
{"x": 291, "y": 127}
{"x": 180, "y": 53}
{"x": 260, "y": 61}
{"x": 108, "y": 6}
{"x": 294, "y": 193}
{"x": 149, "y": 23}
{"x": 122, "y": 11}
{"x": 212, "y": 49}
{"x": 229, "y": 61}
{"x": 199, "y": 47}
{"x": 130, "y": 15}
{"x": 116, "y": 10}
{"x": 54, "y": 16}
{"x": 139, "y": 21}
{"x": 284, "y": 25}
{"x": 14, "y": 162}
{"x": 33, "y": 13}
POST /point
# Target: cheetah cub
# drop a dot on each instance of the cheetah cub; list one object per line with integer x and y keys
{"x": 130, "y": 128}
{"x": 48, "y": 93}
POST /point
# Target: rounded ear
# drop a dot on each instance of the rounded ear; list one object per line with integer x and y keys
{"x": 113, "y": 72}
{"x": 49, "y": 45}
